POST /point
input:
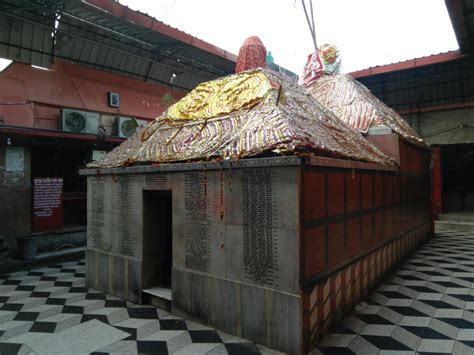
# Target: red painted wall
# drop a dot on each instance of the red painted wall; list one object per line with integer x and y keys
{"x": 32, "y": 97}
{"x": 350, "y": 214}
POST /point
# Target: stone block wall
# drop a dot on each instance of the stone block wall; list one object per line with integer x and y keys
{"x": 235, "y": 246}
{"x": 114, "y": 234}
{"x": 236, "y": 252}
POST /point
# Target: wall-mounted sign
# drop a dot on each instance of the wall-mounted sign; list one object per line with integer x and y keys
{"x": 98, "y": 154}
{"x": 14, "y": 159}
{"x": 114, "y": 99}
{"x": 47, "y": 204}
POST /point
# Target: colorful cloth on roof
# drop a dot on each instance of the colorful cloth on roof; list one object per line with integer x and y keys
{"x": 326, "y": 60}
{"x": 354, "y": 104}
{"x": 351, "y": 101}
{"x": 218, "y": 97}
{"x": 252, "y": 55}
{"x": 286, "y": 121}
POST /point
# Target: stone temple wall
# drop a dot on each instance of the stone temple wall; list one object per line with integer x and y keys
{"x": 235, "y": 246}
{"x": 236, "y": 252}
{"x": 274, "y": 250}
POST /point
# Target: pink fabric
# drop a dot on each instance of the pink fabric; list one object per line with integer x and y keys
{"x": 312, "y": 70}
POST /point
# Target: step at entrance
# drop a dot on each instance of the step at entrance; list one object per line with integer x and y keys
{"x": 463, "y": 221}
{"x": 449, "y": 225}
{"x": 456, "y": 217}
{"x": 158, "y": 296}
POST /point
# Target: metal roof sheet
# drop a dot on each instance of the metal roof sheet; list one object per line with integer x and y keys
{"x": 445, "y": 85}
{"x": 407, "y": 64}
{"x": 108, "y": 36}
{"x": 461, "y": 14}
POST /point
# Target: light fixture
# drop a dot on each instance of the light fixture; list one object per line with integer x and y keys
{"x": 173, "y": 76}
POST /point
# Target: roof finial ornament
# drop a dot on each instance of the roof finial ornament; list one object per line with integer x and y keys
{"x": 324, "y": 61}
{"x": 252, "y": 55}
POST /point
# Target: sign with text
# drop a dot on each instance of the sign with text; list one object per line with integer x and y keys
{"x": 47, "y": 204}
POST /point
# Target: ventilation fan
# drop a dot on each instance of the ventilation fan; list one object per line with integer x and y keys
{"x": 79, "y": 121}
{"x": 129, "y": 127}
{"x": 75, "y": 122}
{"x": 126, "y": 126}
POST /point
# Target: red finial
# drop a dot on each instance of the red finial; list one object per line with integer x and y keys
{"x": 252, "y": 55}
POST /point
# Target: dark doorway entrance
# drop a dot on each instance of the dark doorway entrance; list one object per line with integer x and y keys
{"x": 157, "y": 239}
{"x": 457, "y": 169}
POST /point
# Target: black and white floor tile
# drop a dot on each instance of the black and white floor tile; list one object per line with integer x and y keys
{"x": 49, "y": 311}
{"x": 425, "y": 307}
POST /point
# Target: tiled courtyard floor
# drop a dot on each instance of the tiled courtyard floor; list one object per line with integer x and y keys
{"x": 49, "y": 311}
{"x": 426, "y": 307}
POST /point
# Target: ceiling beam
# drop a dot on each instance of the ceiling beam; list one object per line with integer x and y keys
{"x": 456, "y": 13}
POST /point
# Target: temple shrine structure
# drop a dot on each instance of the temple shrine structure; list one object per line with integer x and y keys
{"x": 256, "y": 206}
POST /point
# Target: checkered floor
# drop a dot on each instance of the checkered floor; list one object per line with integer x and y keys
{"x": 49, "y": 311}
{"x": 427, "y": 306}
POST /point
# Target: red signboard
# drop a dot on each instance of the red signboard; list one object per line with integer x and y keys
{"x": 47, "y": 204}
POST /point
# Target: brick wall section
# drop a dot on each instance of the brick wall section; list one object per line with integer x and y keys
{"x": 356, "y": 225}
{"x": 330, "y": 299}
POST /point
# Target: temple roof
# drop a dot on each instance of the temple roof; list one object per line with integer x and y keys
{"x": 350, "y": 100}
{"x": 254, "y": 113}
{"x": 354, "y": 104}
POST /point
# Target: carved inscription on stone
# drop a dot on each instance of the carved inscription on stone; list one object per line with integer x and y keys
{"x": 157, "y": 182}
{"x": 196, "y": 229}
{"x": 97, "y": 215}
{"x": 259, "y": 214}
{"x": 125, "y": 205}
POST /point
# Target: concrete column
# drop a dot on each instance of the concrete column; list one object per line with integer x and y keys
{"x": 15, "y": 193}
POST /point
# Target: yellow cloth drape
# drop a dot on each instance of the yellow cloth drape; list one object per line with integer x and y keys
{"x": 219, "y": 97}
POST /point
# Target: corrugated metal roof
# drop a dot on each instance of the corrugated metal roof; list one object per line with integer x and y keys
{"x": 447, "y": 83}
{"x": 128, "y": 15}
{"x": 27, "y": 41}
{"x": 93, "y": 34}
{"x": 407, "y": 64}
{"x": 461, "y": 15}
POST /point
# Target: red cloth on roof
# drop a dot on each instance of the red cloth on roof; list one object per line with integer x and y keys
{"x": 252, "y": 55}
